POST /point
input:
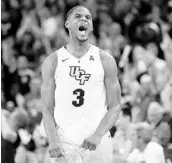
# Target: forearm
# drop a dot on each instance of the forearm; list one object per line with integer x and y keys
{"x": 47, "y": 94}
{"x": 50, "y": 126}
{"x": 108, "y": 120}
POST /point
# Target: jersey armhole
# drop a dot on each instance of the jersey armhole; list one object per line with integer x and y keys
{"x": 101, "y": 62}
{"x": 56, "y": 68}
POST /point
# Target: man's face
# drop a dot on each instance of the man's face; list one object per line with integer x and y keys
{"x": 154, "y": 116}
{"x": 80, "y": 24}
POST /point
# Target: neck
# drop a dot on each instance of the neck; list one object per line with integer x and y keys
{"x": 142, "y": 148}
{"x": 78, "y": 48}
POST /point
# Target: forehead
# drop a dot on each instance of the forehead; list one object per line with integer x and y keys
{"x": 82, "y": 11}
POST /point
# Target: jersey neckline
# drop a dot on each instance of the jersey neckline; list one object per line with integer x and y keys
{"x": 64, "y": 47}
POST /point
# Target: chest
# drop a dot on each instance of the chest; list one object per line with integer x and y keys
{"x": 80, "y": 71}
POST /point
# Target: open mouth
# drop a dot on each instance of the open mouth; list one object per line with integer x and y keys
{"x": 83, "y": 29}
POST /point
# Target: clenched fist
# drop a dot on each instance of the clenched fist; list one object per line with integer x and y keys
{"x": 91, "y": 142}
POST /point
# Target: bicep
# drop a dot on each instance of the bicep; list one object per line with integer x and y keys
{"x": 47, "y": 90}
{"x": 48, "y": 85}
{"x": 113, "y": 92}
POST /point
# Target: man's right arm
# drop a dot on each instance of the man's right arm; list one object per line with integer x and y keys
{"x": 47, "y": 94}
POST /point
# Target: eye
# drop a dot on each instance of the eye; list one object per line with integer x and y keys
{"x": 88, "y": 17}
{"x": 77, "y": 16}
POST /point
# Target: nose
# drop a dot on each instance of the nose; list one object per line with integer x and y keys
{"x": 83, "y": 18}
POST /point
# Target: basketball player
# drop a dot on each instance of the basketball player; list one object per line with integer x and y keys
{"x": 79, "y": 84}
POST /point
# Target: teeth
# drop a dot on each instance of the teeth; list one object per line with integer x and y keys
{"x": 84, "y": 31}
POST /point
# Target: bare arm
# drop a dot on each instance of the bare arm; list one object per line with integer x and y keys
{"x": 113, "y": 93}
{"x": 47, "y": 94}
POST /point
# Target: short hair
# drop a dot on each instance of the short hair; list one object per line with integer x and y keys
{"x": 70, "y": 12}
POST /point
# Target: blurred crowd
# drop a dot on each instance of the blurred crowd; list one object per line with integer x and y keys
{"x": 138, "y": 33}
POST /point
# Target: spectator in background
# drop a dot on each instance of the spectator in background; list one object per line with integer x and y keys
{"x": 105, "y": 20}
{"x": 24, "y": 75}
{"x": 41, "y": 145}
{"x": 26, "y": 151}
{"x": 123, "y": 138}
{"x": 8, "y": 69}
{"x": 24, "y": 156}
{"x": 34, "y": 93}
{"x": 146, "y": 151}
{"x": 11, "y": 18}
{"x": 168, "y": 118}
{"x": 10, "y": 140}
{"x": 25, "y": 46}
{"x": 166, "y": 96}
{"x": 157, "y": 68}
{"x": 10, "y": 106}
{"x": 161, "y": 127}
{"x": 33, "y": 101}
{"x": 162, "y": 134}
{"x": 166, "y": 136}
{"x": 142, "y": 97}
{"x": 154, "y": 114}
{"x": 137, "y": 33}
{"x": 38, "y": 67}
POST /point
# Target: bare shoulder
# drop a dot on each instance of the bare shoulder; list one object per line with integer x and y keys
{"x": 49, "y": 65}
{"x": 104, "y": 55}
{"x": 108, "y": 62}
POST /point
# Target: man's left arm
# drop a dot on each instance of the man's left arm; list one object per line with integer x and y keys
{"x": 113, "y": 93}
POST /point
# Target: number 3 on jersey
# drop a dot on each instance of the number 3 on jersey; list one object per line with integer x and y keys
{"x": 80, "y": 97}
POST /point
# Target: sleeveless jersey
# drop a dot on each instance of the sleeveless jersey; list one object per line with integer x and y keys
{"x": 80, "y": 96}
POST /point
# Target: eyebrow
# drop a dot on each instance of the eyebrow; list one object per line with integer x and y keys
{"x": 81, "y": 14}
{"x": 89, "y": 16}
{"x": 77, "y": 14}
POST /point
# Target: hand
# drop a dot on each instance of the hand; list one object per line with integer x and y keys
{"x": 55, "y": 151}
{"x": 91, "y": 142}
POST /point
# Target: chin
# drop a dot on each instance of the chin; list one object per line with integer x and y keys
{"x": 82, "y": 39}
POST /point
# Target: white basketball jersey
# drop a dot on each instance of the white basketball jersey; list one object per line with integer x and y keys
{"x": 80, "y": 96}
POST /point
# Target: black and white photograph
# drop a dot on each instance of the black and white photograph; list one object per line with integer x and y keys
{"x": 86, "y": 81}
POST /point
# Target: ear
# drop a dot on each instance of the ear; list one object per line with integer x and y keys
{"x": 67, "y": 24}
